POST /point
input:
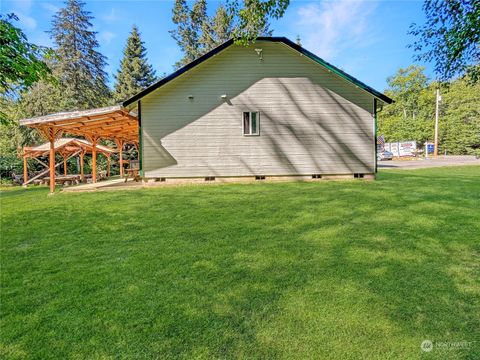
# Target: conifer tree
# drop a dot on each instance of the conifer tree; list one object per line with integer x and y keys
{"x": 218, "y": 29}
{"x": 79, "y": 65}
{"x": 135, "y": 74}
{"x": 196, "y": 33}
{"x": 189, "y": 26}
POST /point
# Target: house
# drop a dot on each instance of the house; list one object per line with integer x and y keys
{"x": 269, "y": 110}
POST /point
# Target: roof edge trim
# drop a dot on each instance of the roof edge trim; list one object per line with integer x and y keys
{"x": 284, "y": 40}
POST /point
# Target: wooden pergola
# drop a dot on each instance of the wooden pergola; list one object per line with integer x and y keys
{"x": 114, "y": 122}
{"x": 67, "y": 148}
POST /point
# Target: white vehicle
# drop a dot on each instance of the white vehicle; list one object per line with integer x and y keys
{"x": 384, "y": 155}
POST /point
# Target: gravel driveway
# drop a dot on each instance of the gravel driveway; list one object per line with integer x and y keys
{"x": 453, "y": 160}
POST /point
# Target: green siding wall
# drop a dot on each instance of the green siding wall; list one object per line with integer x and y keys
{"x": 311, "y": 122}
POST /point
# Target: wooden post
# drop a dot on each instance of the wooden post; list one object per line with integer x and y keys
{"x": 52, "y": 164}
{"x": 48, "y": 169}
{"x": 108, "y": 165}
{"x": 94, "y": 160}
{"x": 25, "y": 167}
{"x": 51, "y": 134}
{"x": 121, "y": 159}
{"x": 64, "y": 166}
{"x": 120, "y": 155}
{"x": 82, "y": 175}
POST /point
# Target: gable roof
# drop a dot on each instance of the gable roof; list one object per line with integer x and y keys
{"x": 283, "y": 40}
{"x": 65, "y": 142}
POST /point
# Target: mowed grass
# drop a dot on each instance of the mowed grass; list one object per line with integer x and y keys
{"x": 324, "y": 270}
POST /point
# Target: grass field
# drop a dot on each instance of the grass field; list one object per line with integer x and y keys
{"x": 340, "y": 270}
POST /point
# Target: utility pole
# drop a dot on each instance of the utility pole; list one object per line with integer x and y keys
{"x": 438, "y": 99}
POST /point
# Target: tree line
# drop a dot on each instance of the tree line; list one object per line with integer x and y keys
{"x": 71, "y": 76}
{"x": 412, "y": 115}
{"x": 450, "y": 39}
{"x": 35, "y": 80}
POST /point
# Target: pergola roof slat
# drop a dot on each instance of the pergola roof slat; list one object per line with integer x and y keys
{"x": 69, "y": 145}
{"x": 113, "y": 122}
{"x": 70, "y": 115}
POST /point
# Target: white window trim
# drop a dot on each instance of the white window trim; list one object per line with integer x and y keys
{"x": 250, "y": 123}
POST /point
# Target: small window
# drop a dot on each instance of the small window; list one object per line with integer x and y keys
{"x": 251, "y": 123}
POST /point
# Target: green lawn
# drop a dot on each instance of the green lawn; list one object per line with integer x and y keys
{"x": 340, "y": 270}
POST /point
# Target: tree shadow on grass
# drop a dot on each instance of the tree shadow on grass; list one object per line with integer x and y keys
{"x": 334, "y": 269}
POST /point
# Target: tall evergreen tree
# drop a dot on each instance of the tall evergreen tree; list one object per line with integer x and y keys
{"x": 196, "y": 33}
{"x": 217, "y": 29}
{"x": 79, "y": 65}
{"x": 189, "y": 26}
{"x": 135, "y": 74}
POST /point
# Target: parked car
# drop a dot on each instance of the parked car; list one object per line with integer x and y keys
{"x": 384, "y": 155}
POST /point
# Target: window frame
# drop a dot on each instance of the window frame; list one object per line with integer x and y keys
{"x": 257, "y": 133}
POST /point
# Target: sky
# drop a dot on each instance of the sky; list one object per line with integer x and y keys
{"x": 366, "y": 38}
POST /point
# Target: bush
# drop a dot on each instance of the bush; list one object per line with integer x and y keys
{"x": 10, "y": 165}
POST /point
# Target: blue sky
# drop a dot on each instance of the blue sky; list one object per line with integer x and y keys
{"x": 365, "y": 38}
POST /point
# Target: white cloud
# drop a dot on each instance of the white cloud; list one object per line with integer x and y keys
{"x": 23, "y": 9}
{"x": 23, "y": 5}
{"x": 111, "y": 16}
{"x": 106, "y": 36}
{"x": 26, "y": 22}
{"x": 331, "y": 27}
{"x": 50, "y": 7}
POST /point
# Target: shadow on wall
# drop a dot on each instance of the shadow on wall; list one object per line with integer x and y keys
{"x": 305, "y": 128}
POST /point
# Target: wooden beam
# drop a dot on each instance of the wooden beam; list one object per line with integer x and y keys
{"x": 72, "y": 115}
{"x": 107, "y": 128}
{"x": 106, "y": 131}
{"x": 52, "y": 165}
{"x": 47, "y": 170}
{"x": 120, "y": 144}
{"x": 108, "y": 165}
{"x": 130, "y": 135}
{"x": 94, "y": 122}
{"x": 82, "y": 176}
{"x": 64, "y": 166}
{"x": 51, "y": 134}
{"x": 86, "y": 119}
{"x": 93, "y": 139}
{"x": 25, "y": 169}
{"x": 40, "y": 162}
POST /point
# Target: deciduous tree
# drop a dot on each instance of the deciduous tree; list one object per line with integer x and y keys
{"x": 21, "y": 62}
{"x": 412, "y": 115}
{"x": 450, "y": 37}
